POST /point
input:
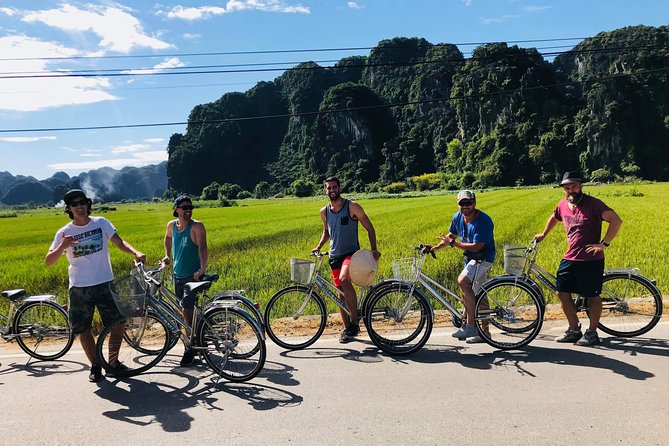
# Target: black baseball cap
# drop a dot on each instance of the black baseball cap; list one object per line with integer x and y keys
{"x": 180, "y": 199}
{"x": 72, "y": 195}
{"x": 571, "y": 177}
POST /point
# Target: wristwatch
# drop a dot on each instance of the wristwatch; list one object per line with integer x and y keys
{"x": 452, "y": 243}
{"x": 605, "y": 244}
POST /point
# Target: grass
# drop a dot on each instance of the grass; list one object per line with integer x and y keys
{"x": 250, "y": 245}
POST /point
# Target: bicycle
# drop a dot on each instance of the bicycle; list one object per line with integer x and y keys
{"x": 631, "y": 303}
{"x": 296, "y": 316}
{"x": 39, "y": 324}
{"x": 390, "y": 315}
{"x": 228, "y": 338}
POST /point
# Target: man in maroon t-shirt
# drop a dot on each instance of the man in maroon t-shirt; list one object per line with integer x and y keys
{"x": 582, "y": 267}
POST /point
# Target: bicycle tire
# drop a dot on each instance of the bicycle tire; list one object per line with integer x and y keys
{"x": 391, "y": 331}
{"x": 631, "y": 305}
{"x": 285, "y": 327}
{"x": 137, "y": 326}
{"x": 136, "y": 360}
{"x": 511, "y": 311}
{"x": 43, "y": 330}
{"x": 246, "y": 304}
{"x": 225, "y": 338}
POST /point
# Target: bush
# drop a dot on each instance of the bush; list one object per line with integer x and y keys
{"x": 244, "y": 194}
{"x": 395, "y": 188}
{"x": 262, "y": 190}
{"x": 302, "y": 188}
{"x": 428, "y": 181}
{"x": 8, "y": 214}
{"x": 229, "y": 190}
{"x": 210, "y": 192}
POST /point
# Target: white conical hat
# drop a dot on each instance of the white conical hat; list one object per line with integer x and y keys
{"x": 363, "y": 267}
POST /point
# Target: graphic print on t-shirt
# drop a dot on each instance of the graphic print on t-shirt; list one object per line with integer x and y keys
{"x": 89, "y": 242}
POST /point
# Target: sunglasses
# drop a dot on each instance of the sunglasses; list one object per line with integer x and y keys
{"x": 78, "y": 202}
{"x": 187, "y": 208}
{"x": 466, "y": 203}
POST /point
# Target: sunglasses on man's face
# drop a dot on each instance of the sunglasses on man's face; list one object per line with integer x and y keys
{"x": 464, "y": 203}
{"x": 187, "y": 208}
{"x": 74, "y": 203}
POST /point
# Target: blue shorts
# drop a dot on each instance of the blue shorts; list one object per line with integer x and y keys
{"x": 581, "y": 277}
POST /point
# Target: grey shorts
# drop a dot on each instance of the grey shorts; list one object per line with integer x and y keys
{"x": 84, "y": 300}
{"x": 476, "y": 272}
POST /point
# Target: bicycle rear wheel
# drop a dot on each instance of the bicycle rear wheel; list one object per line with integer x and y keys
{"x": 295, "y": 317}
{"x": 145, "y": 349}
{"x": 509, "y": 312}
{"x": 631, "y": 305}
{"x": 43, "y": 330}
{"x": 399, "y": 322}
{"x": 231, "y": 343}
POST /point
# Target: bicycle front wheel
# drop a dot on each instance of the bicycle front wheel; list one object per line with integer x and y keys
{"x": 43, "y": 330}
{"x": 509, "y": 313}
{"x": 132, "y": 345}
{"x": 398, "y": 320}
{"x": 231, "y": 343}
{"x": 295, "y": 317}
{"x": 137, "y": 328}
{"x": 631, "y": 305}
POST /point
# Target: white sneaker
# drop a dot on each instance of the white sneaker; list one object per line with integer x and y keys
{"x": 466, "y": 331}
{"x": 474, "y": 340}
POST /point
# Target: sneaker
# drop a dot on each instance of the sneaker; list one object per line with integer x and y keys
{"x": 475, "y": 340}
{"x": 349, "y": 333}
{"x": 96, "y": 374}
{"x": 120, "y": 367}
{"x": 590, "y": 338}
{"x": 188, "y": 358}
{"x": 466, "y": 331}
{"x": 570, "y": 335}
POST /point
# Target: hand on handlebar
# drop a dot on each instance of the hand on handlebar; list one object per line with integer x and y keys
{"x": 539, "y": 237}
{"x": 427, "y": 249}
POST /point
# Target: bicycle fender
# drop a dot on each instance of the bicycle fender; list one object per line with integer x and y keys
{"x": 233, "y": 305}
{"x": 40, "y": 298}
{"x": 508, "y": 278}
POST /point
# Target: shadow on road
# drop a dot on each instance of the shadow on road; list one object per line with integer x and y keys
{"x": 164, "y": 402}
{"x": 638, "y": 346}
{"x": 42, "y": 368}
{"x": 368, "y": 355}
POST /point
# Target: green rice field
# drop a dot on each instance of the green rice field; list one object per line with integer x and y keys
{"x": 250, "y": 245}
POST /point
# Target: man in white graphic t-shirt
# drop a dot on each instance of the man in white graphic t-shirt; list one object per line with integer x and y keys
{"x": 85, "y": 242}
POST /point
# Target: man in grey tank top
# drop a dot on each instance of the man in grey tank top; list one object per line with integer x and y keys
{"x": 340, "y": 226}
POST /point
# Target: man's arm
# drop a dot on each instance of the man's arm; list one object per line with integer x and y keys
{"x": 168, "y": 242}
{"x": 127, "y": 247}
{"x": 201, "y": 242}
{"x": 325, "y": 236}
{"x": 615, "y": 222}
{"x": 550, "y": 224}
{"x": 54, "y": 254}
{"x": 358, "y": 213}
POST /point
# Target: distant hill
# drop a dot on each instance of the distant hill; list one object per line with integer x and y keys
{"x": 504, "y": 116}
{"x": 105, "y": 184}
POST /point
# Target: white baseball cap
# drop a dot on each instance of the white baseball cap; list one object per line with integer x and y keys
{"x": 363, "y": 267}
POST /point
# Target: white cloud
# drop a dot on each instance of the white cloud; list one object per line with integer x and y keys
{"x": 92, "y": 154}
{"x": 191, "y": 36}
{"x": 31, "y": 94}
{"x": 22, "y": 139}
{"x": 140, "y": 159}
{"x": 8, "y": 11}
{"x": 171, "y": 62}
{"x": 129, "y": 148}
{"x": 492, "y": 20}
{"x": 205, "y": 12}
{"x": 536, "y": 8}
{"x": 154, "y": 140}
{"x": 353, "y": 5}
{"x": 116, "y": 28}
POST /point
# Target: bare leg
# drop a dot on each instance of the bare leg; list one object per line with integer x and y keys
{"x": 115, "y": 340}
{"x": 594, "y": 311}
{"x": 349, "y": 294}
{"x": 188, "y": 318}
{"x": 88, "y": 344}
{"x": 569, "y": 309}
{"x": 469, "y": 299}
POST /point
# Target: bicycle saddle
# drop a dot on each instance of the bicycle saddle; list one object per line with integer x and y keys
{"x": 13, "y": 294}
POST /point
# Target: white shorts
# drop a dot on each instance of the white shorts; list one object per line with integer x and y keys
{"x": 477, "y": 273}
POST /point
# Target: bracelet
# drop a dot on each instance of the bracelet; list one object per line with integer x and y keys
{"x": 605, "y": 244}
{"x": 452, "y": 243}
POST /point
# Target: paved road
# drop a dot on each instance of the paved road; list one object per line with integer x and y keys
{"x": 449, "y": 392}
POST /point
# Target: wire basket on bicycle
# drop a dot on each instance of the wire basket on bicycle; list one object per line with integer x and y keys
{"x": 129, "y": 293}
{"x": 515, "y": 257}
{"x": 301, "y": 270}
{"x": 407, "y": 269}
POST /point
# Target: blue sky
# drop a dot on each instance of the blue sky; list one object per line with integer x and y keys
{"x": 44, "y": 37}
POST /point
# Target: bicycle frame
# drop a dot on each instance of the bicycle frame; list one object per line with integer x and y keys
{"x": 8, "y": 319}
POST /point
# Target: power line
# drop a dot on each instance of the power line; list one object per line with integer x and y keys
{"x": 126, "y": 72}
{"x": 343, "y": 110}
{"x": 303, "y": 50}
